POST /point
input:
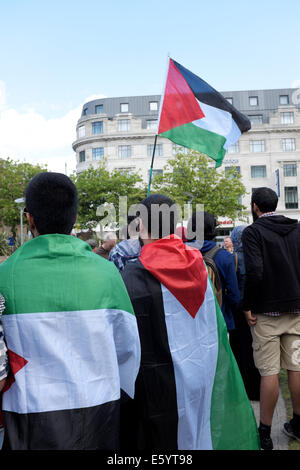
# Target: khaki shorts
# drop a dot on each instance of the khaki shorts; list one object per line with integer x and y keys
{"x": 276, "y": 343}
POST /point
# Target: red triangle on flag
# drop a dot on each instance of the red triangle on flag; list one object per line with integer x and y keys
{"x": 182, "y": 271}
{"x": 179, "y": 103}
{"x": 16, "y": 363}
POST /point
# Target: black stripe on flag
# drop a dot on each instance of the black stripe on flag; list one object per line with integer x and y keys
{"x": 93, "y": 428}
{"x": 153, "y": 411}
{"x": 208, "y": 95}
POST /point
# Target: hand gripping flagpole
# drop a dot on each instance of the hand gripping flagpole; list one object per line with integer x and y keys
{"x": 156, "y": 135}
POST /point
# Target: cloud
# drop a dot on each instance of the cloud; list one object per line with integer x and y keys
{"x": 29, "y": 136}
{"x": 296, "y": 84}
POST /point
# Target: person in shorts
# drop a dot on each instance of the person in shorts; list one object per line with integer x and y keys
{"x": 272, "y": 306}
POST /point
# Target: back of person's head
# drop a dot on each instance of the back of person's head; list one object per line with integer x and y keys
{"x": 159, "y": 215}
{"x": 93, "y": 243}
{"x": 265, "y": 198}
{"x": 52, "y": 201}
{"x": 207, "y": 224}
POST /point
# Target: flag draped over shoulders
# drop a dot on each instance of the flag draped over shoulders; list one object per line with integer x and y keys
{"x": 189, "y": 392}
{"x": 73, "y": 346}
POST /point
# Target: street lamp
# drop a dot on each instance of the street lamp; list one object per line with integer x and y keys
{"x": 20, "y": 202}
{"x": 189, "y": 202}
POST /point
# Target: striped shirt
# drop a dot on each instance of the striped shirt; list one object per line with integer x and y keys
{"x": 3, "y": 349}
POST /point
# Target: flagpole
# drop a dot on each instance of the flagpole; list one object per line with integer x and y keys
{"x": 151, "y": 167}
{"x": 155, "y": 140}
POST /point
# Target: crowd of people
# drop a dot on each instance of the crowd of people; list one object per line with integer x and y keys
{"x": 159, "y": 342}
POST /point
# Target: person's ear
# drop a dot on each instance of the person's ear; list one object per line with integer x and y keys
{"x": 31, "y": 224}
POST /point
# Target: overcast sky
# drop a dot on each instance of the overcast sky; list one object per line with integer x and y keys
{"x": 55, "y": 55}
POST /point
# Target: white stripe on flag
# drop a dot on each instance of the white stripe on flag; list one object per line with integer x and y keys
{"x": 194, "y": 349}
{"x": 220, "y": 122}
{"x": 75, "y": 359}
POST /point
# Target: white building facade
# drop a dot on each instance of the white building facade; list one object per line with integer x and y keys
{"x": 122, "y": 131}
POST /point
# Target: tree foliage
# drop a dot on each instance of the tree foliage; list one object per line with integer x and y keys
{"x": 98, "y": 186}
{"x": 14, "y": 177}
{"x": 192, "y": 177}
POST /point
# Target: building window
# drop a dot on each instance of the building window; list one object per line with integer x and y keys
{"x": 233, "y": 148}
{"x": 82, "y": 156}
{"x": 81, "y": 131}
{"x": 237, "y": 169}
{"x": 97, "y": 127}
{"x": 286, "y": 118}
{"x": 258, "y": 171}
{"x": 256, "y": 119}
{"x": 98, "y": 153}
{"x": 158, "y": 150}
{"x": 291, "y": 197}
{"x": 124, "y": 125}
{"x": 290, "y": 169}
{"x": 124, "y": 151}
{"x": 85, "y": 111}
{"x": 179, "y": 149}
{"x": 155, "y": 172}
{"x": 153, "y": 105}
{"x": 230, "y": 100}
{"x": 126, "y": 170}
{"x": 288, "y": 145}
{"x": 284, "y": 99}
{"x": 253, "y": 100}
{"x": 99, "y": 109}
{"x": 257, "y": 145}
{"x": 151, "y": 124}
{"x": 124, "y": 107}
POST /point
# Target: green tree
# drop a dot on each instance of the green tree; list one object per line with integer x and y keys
{"x": 98, "y": 186}
{"x": 14, "y": 177}
{"x": 191, "y": 176}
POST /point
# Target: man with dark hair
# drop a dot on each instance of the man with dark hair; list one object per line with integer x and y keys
{"x": 70, "y": 330}
{"x": 188, "y": 388}
{"x": 272, "y": 305}
{"x": 223, "y": 261}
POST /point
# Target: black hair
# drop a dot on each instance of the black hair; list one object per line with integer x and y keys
{"x": 265, "y": 198}
{"x": 161, "y": 217}
{"x": 52, "y": 200}
{"x": 210, "y": 224}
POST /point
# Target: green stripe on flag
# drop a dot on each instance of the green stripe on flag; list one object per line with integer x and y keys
{"x": 191, "y": 136}
{"x": 54, "y": 273}
{"x": 231, "y": 410}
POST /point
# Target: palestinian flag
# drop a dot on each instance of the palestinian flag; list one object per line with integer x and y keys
{"x": 195, "y": 115}
{"x": 189, "y": 391}
{"x": 73, "y": 346}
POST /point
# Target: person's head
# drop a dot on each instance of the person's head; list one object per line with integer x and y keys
{"x": 263, "y": 200}
{"x": 207, "y": 224}
{"x": 132, "y": 227}
{"x": 51, "y": 204}
{"x": 158, "y": 217}
{"x": 93, "y": 243}
{"x": 109, "y": 242}
{"x": 228, "y": 243}
{"x": 236, "y": 237}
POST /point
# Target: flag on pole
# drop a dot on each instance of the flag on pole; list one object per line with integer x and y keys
{"x": 73, "y": 345}
{"x": 189, "y": 393}
{"x": 195, "y": 115}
